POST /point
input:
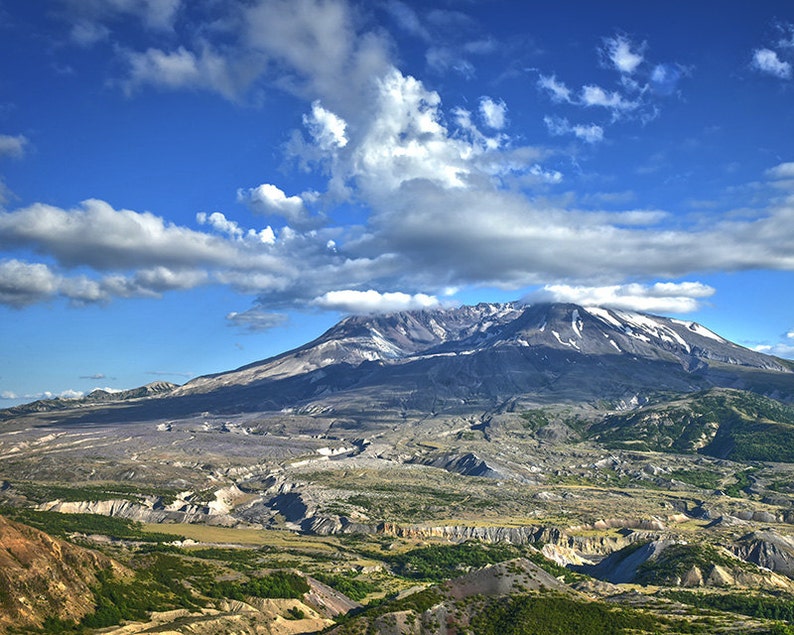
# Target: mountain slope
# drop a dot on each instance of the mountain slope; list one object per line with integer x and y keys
{"x": 95, "y": 397}
{"x": 730, "y": 424}
{"x": 491, "y": 353}
{"x": 43, "y": 577}
{"x": 468, "y": 359}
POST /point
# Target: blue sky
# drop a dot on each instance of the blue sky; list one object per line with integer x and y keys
{"x": 189, "y": 186}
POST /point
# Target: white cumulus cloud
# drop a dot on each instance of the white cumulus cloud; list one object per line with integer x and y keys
{"x": 494, "y": 113}
{"x": 327, "y": 129}
{"x": 219, "y": 222}
{"x": 101, "y": 237}
{"x": 269, "y": 199}
{"x": 619, "y": 51}
{"x": 23, "y": 283}
{"x": 371, "y": 301}
{"x": 767, "y": 61}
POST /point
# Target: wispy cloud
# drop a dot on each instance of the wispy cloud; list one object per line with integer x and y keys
{"x": 13, "y": 145}
{"x": 784, "y": 347}
{"x": 662, "y": 297}
{"x": 558, "y": 126}
{"x": 256, "y": 320}
{"x": 555, "y": 89}
{"x": 157, "y": 15}
{"x": 169, "y": 373}
{"x": 639, "y": 84}
{"x": 593, "y": 95}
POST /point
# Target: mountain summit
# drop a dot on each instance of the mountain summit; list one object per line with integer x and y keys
{"x": 489, "y": 353}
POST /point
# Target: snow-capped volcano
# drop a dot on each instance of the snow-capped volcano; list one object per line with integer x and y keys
{"x": 473, "y": 358}
{"x": 494, "y": 352}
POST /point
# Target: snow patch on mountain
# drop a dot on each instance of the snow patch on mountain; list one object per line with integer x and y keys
{"x": 576, "y": 322}
{"x": 700, "y": 330}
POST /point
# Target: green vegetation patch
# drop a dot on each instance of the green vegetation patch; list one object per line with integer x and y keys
{"x": 157, "y": 588}
{"x": 57, "y": 524}
{"x": 442, "y": 562}
{"x": 699, "y": 478}
{"x": 437, "y": 563}
{"x": 534, "y": 420}
{"x": 349, "y": 584}
{"x": 732, "y": 424}
{"x": 44, "y": 492}
{"x": 675, "y": 561}
{"x": 561, "y": 615}
{"x": 774, "y": 607}
{"x": 539, "y": 613}
{"x": 417, "y": 603}
{"x": 278, "y": 584}
{"x": 402, "y": 496}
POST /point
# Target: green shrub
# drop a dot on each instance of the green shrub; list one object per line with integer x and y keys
{"x": 441, "y": 562}
{"x": 350, "y": 586}
{"x": 560, "y": 615}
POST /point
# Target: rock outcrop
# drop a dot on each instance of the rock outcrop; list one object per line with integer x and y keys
{"x": 151, "y": 509}
{"x": 768, "y": 549}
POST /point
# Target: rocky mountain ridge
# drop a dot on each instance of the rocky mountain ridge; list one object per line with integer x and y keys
{"x": 468, "y": 358}
{"x": 474, "y": 357}
{"x": 95, "y": 397}
{"x": 413, "y": 336}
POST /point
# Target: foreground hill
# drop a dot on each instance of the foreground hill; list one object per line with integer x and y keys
{"x": 43, "y": 577}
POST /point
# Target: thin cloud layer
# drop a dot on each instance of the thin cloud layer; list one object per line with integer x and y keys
{"x": 13, "y": 145}
{"x": 662, "y": 297}
{"x": 371, "y": 301}
{"x": 782, "y": 348}
{"x": 157, "y": 15}
{"x": 560, "y": 126}
{"x": 255, "y": 320}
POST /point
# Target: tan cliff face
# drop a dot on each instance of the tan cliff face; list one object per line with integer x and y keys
{"x": 42, "y": 577}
